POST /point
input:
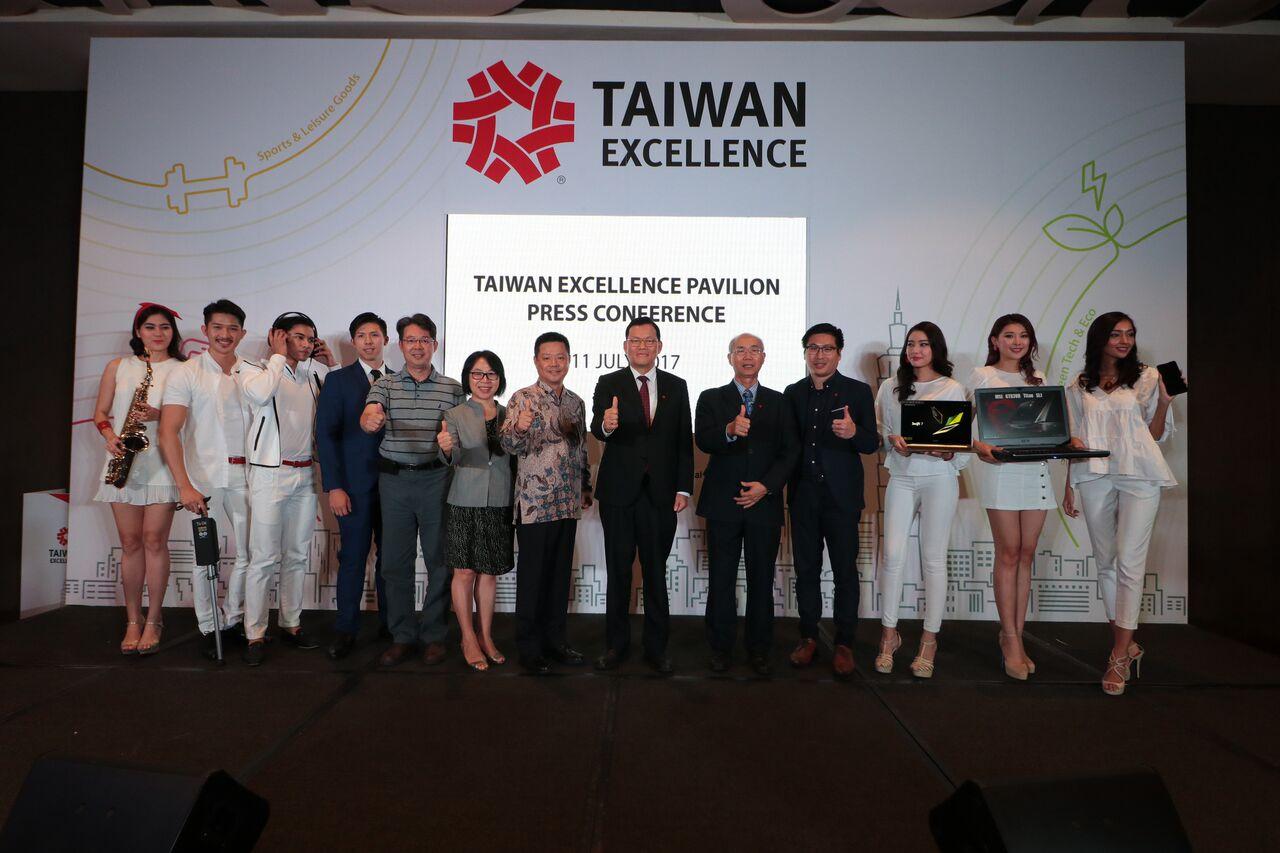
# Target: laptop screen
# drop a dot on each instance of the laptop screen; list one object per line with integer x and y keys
{"x": 1032, "y": 416}
{"x": 942, "y": 422}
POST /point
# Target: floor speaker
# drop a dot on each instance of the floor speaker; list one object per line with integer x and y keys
{"x": 1129, "y": 812}
{"x": 69, "y": 805}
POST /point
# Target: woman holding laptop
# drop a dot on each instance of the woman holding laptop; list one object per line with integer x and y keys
{"x": 1017, "y": 496}
{"x": 1119, "y": 404}
{"x": 920, "y": 483}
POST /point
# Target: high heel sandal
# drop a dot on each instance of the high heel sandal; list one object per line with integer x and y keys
{"x": 922, "y": 667}
{"x": 1120, "y": 666}
{"x": 153, "y": 647}
{"x": 495, "y": 657}
{"x": 480, "y": 665}
{"x": 1016, "y": 671}
{"x": 1135, "y": 657}
{"x": 126, "y": 647}
{"x": 884, "y": 660}
{"x": 1031, "y": 665}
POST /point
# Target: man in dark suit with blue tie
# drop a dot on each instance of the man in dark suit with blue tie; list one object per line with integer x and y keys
{"x": 836, "y": 419}
{"x": 749, "y": 434}
{"x": 641, "y": 415}
{"x": 349, "y": 473}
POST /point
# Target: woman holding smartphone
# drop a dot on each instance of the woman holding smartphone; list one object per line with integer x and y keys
{"x": 924, "y": 484}
{"x": 1017, "y": 496}
{"x": 1119, "y": 404}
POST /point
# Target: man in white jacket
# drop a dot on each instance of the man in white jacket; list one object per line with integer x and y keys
{"x": 281, "y": 396}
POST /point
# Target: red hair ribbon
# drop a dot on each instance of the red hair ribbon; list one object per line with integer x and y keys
{"x": 144, "y": 306}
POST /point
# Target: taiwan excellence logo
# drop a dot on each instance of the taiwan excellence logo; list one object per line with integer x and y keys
{"x": 496, "y": 90}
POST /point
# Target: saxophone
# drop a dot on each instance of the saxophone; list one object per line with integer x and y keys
{"x": 133, "y": 435}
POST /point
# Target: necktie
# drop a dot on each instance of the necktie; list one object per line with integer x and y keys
{"x": 748, "y": 398}
{"x": 376, "y": 374}
{"x": 644, "y": 399}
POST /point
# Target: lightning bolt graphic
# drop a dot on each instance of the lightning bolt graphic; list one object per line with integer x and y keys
{"x": 1091, "y": 181}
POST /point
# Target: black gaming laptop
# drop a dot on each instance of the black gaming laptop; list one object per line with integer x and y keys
{"x": 1028, "y": 424}
{"x": 945, "y": 425}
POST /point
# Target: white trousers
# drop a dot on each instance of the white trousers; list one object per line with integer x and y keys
{"x": 234, "y": 503}
{"x": 282, "y": 518}
{"x": 934, "y": 498}
{"x": 1120, "y": 513}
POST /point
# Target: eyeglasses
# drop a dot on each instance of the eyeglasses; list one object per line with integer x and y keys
{"x": 642, "y": 342}
{"x": 413, "y": 342}
{"x": 745, "y": 350}
{"x": 478, "y": 375}
{"x": 824, "y": 349}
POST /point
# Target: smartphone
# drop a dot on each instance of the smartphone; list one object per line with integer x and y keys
{"x": 1172, "y": 376}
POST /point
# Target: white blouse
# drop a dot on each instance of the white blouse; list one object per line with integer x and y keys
{"x": 889, "y": 418}
{"x": 1119, "y": 422}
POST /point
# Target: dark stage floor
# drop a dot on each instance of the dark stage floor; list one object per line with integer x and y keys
{"x": 353, "y": 758}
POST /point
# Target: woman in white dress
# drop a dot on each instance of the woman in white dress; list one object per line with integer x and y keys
{"x": 923, "y": 484}
{"x": 143, "y": 507}
{"x": 1119, "y": 404}
{"x": 1017, "y": 495}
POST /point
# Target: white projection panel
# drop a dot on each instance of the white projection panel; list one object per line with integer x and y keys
{"x": 703, "y": 279}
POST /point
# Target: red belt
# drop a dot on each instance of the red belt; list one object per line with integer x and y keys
{"x": 306, "y": 463}
{"x": 235, "y": 460}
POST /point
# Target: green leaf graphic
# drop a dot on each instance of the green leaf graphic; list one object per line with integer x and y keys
{"x": 952, "y": 423}
{"x": 1114, "y": 220}
{"x": 1077, "y": 233}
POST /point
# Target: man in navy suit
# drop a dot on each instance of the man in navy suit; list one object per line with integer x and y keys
{"x": 349, "y": 472}
{"x": 641, "y": 416}
{"x": 749, "y": 434}
{"x": 836, "y": 419}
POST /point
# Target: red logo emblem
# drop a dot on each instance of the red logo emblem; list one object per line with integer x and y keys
{"x": 62, "y": 537}
{"x": 531, "y": 155}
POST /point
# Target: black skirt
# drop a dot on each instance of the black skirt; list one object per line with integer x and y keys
{"x": 479, "y": 538}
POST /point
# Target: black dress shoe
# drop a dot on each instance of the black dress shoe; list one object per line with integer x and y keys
{"x": 255, "y": 653}
{"x": 611, "y": 659}
{"x": 760, "y": 665}
{"x": 660, "y": 664}
{"x": 341, "y": 645}
{"x": 397, "y": 653}
{"x": 719, "y": 662}
{"x": 234, "y": 634}
{"x": 567, "y": 655}
{"x": 536, "y": 666}
{"x": 298, "y": 639}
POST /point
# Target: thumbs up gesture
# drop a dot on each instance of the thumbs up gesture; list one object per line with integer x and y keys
{"x": 524, "y": 420}
{"x": 373, "y": 418}
{"x": 844, "y": 427}
{"x": 610, "y": 422}
{"x": 444, "y": 440}
{"x": 741, "y": 425}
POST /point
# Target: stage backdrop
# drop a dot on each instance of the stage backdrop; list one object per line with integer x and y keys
{"x": 950, "y": 182}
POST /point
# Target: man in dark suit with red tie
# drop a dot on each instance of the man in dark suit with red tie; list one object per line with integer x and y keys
{"x": 349, "y": 473}
{"x": 749, "y": 434}
{"x": 641, "y": 415}
{"x": 836, "y": 419}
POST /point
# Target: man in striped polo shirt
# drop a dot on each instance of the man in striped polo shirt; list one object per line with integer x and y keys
{"x": 412, "y": 485}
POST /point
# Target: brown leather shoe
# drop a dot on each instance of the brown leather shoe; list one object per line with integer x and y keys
{"x": 435, "y": 652}
{"x": 396, "y": 653}
{"x": 804, "y": 653}
{"x": 842, "y": 662}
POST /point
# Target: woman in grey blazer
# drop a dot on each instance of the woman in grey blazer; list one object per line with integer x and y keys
{"x": 478, "y": 529}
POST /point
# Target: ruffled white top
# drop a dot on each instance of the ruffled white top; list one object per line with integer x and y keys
{"x": 1119, "y": 422}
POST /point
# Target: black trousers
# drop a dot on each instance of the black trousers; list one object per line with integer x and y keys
{"x": 725, "y": 543}
{"x": 650, "y": 530}
{"x": 815, "y": 519}
{"x": 543, "y": 568}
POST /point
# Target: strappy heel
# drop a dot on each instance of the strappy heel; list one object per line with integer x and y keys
{"x": 153, "y": 647}
{"x": 1016, "y": 671}
{"x": 1031, "y": 665}
{"x": 884, "y": 660}
{"x": 495, "y": 657}
{"x": 479, "y": 665}
{"x": 1120, "y": 666}
{"x": 922, "y": 667}
{"x": 1135, "y": 657}
{"x": 126, "y": 647}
